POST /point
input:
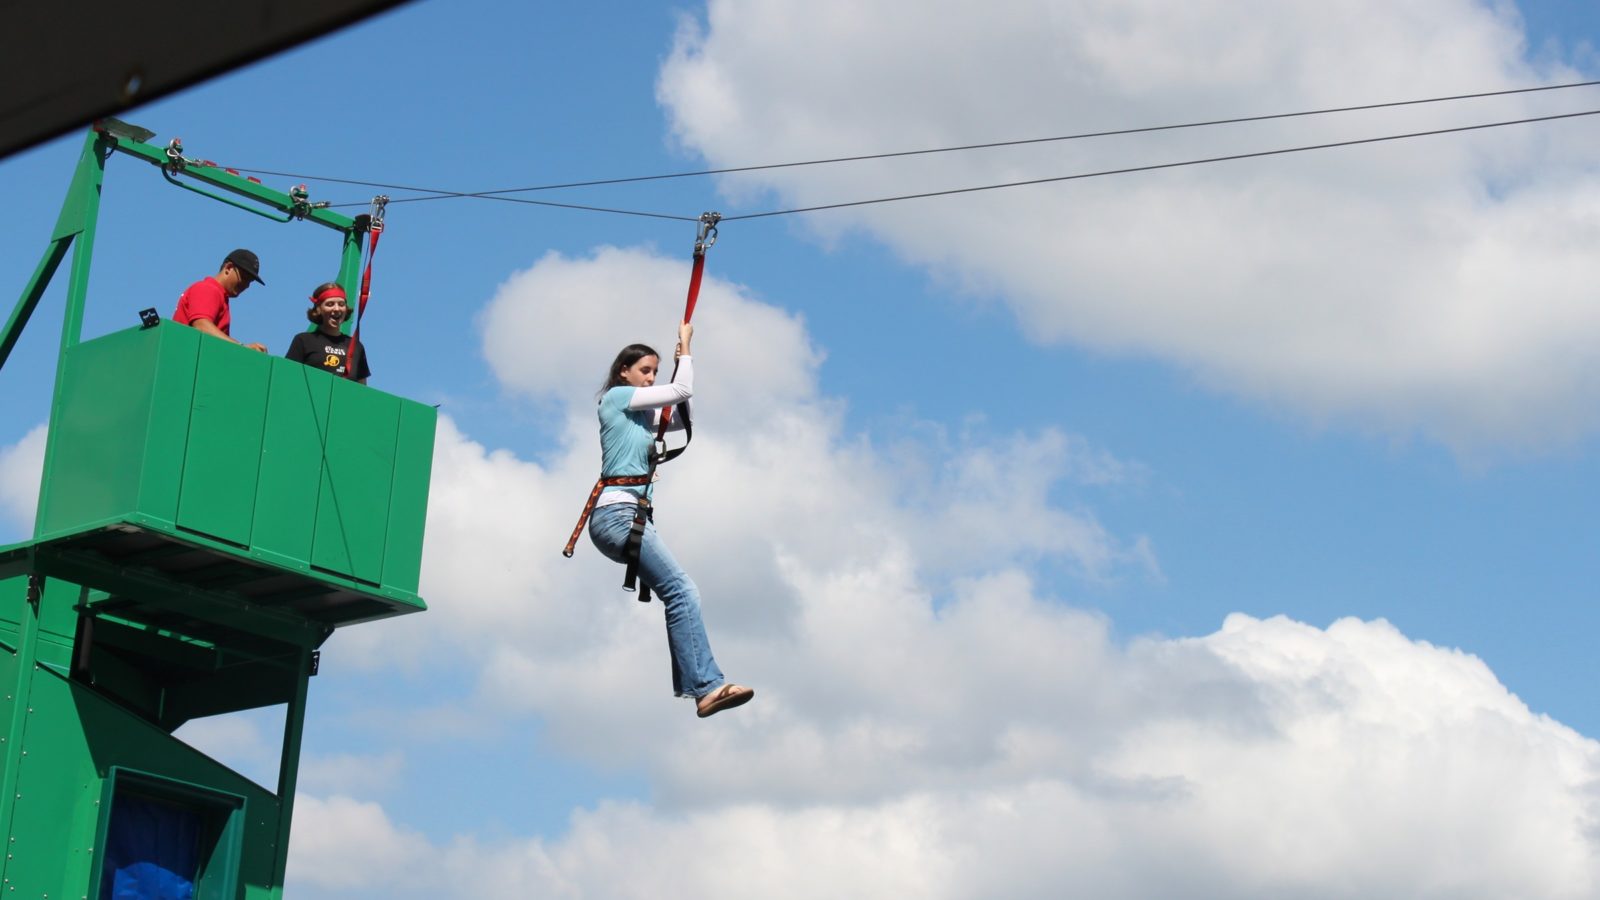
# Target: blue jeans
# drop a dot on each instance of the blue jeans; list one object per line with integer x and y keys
{"x": 694, "y": 671}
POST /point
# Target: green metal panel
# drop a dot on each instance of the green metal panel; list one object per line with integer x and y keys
{"x": 218, "y": 496}
{"x": 57, "y": 797}
{"x": 291, "y": 455}
{"x": 353, "y": 503}
{"x": 408, "y": 503}
{"x": 8, "y": 708}
{"x": 74, "y": 739}
{"x": 97, "y": 430}
{"x": 261, "y": 454}
{"x": 12, "y": 588}
{"x": 58, "y": 624}
{"x": 177, "y": 354}
{"x": 17, "y": 687}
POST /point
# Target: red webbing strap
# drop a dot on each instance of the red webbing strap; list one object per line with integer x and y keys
{"x": 352, "y": 368}
{"x": 366, "y": 277}
{"x": 694, "y": 284}
{"x": 594, "y": 495}
{"x": 688, "y": 314}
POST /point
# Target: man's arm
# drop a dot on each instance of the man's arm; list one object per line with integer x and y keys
{"x": 206, "y": 326}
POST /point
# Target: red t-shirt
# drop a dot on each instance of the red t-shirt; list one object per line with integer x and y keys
{"x": 205, "y": 299}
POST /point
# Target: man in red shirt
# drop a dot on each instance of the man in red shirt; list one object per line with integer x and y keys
{"x": 204, "y": 305}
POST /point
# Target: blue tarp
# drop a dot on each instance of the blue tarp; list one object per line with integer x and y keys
{"x": 152, "y": 851}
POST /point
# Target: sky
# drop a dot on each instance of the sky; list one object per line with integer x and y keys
{"x": 1222, "y": 531}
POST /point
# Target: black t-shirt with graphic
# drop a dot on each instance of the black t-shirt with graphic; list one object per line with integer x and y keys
{"x": 317, "y": 349}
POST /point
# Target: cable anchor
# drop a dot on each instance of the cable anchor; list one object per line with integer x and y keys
{"x": 299, "y": 201}
{"x": 175, "y": 159}
{"x": 707, "y": 233}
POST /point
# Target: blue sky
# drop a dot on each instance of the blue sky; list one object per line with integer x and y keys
{"x": 1344, "y": 384}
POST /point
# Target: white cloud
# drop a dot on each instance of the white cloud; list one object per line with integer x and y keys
{"x": 927, "y": 722}
{"x": 343, "y": 844}
{"x": 1439, "y": 286}
{"x": 1024, "y": 755}
{"x": 20, "y": 466}
{"x": 350, "y": 773}
{"x": 249, "y": 741}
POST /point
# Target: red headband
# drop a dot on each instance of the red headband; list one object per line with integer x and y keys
{"x": 334, "y": 291}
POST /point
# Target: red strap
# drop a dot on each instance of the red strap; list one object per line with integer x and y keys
{"x": 694, "y": 285}
{"x": 366, "y": 277}
{"x": 594, "y": 496}
{"x": 688, "y": 313}
{"x": 351, "y": 370}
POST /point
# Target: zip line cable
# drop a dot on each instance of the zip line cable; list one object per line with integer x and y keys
{"x": 1058, "y": 178}
{"x": 439, "y": 194}
{"x": 1156, "y": 166}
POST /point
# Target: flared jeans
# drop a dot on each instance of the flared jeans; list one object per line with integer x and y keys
{"x": 694, "y": 670}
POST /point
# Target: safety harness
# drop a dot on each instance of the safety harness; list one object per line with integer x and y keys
{"x": 659, "y": 453}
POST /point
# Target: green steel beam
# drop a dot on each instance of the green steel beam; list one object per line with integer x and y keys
{"x": 289, "y": 769}
{"x": 30, "y": 296}
{"x": 237, "y": 184}
{"x": 82, "y": 567}
{"x": 79, "y": 213}
{"x": 85, "y": 193}
{"x": 86, "y": 181}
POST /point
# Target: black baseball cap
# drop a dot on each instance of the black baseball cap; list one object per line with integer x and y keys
{"x": 246, "y": 262}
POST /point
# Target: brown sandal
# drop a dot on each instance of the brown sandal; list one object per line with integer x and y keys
{"x": 726, "y": 697}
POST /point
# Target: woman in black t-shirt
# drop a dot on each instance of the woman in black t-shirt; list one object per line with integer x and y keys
{"x": 328, "y": 347}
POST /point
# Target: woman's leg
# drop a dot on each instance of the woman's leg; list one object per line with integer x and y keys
{"x": 694, "y": 670}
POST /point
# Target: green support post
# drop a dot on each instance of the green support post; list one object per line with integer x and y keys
{"x": 289, "y": 770}
{"x": 350, "y": 274}
{"x": 79, "y": 215}
{"x": 88, "y": 199}
{"x": 23, "y": 311}
{"x": 81, "y": 206}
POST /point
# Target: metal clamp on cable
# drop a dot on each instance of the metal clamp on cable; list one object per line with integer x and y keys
{"x": 707, "y": 235}
{"x": 379, "y": 204}
{"x": 175, "y": 160}
{"x": 299, "y": 201}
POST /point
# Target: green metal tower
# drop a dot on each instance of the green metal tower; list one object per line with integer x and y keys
{"x": 208, "y": 515}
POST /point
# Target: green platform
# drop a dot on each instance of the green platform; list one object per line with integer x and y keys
{"x": 217, "y": 466}
{"x": 208, "y": 517}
